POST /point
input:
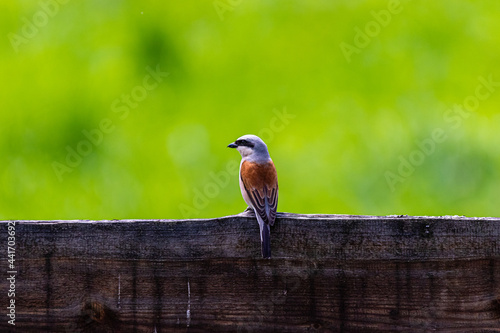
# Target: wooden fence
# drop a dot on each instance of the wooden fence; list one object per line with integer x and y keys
{"x": 329, "y": 273}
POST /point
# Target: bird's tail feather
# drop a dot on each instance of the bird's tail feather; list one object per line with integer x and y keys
{"x": 265, "y": 235}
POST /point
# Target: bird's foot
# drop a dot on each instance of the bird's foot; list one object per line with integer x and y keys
{"x": 247, "y": 212}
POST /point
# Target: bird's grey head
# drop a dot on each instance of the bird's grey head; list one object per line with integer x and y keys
{"x": 251, "y": 148}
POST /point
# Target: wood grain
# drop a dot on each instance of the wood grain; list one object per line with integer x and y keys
{"x": 329, "y": 273}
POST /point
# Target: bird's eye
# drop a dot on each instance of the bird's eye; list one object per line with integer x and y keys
{"x": 243, "y": 142}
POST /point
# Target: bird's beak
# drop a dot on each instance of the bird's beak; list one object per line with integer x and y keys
{"x": 232, "y": 145}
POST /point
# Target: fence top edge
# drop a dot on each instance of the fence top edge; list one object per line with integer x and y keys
{"x": 287, "y": 216}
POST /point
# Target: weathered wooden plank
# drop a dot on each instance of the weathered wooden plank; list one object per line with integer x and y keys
{"x": 329, "y": 273}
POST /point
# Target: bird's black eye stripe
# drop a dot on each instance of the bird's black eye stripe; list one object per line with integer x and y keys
{"x": 244, "y": 142}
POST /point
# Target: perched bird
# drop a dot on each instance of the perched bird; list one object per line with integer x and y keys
{"x": 258, "y": 184}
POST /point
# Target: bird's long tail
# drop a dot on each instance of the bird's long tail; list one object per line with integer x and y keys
{"x": 265, "y": 236}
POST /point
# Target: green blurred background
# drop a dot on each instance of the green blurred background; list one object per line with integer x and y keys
{"x": 336, "y": 125}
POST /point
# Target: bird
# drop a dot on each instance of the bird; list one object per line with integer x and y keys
{"x": 258, "y": 184}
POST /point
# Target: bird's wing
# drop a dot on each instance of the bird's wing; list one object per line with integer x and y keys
{"x": 261, "y": 185}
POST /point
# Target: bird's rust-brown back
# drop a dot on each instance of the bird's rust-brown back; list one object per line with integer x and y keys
{"x": 261, "y": 183}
